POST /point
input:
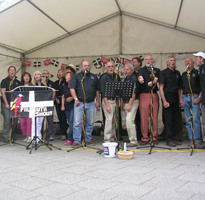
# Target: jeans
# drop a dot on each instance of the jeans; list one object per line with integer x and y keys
{"x": 196, "y": 117}
{"x": 70, "y": 116}
{"x": 7, "y": 124}
{"x": 78, "y": 119}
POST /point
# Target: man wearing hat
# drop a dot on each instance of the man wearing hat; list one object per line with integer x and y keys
{"x": 199, "y": 61}
{"x": 70, "y": 68}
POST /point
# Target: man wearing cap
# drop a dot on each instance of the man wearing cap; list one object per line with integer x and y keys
{"x": 169, "y": 88}
{"x": 70, "y": 68}
{"x": 108, "y": 105}
{"x": 199, "y": 61}
{"x": 84, "y": 89}
{"x": 190, "y": 100}
{"x": 130, "y": 105}
{"x": 147, "y": 84}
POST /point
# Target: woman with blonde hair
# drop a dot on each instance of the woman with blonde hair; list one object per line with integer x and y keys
{"x": 37, "y": 81}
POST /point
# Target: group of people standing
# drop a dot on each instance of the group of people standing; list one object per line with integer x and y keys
{"x": 76, "y": 93}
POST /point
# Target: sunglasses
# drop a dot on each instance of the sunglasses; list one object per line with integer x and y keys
{"x": 109, "y": 66}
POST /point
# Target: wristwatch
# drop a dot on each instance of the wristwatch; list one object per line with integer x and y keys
{"x": 76, "y": 99}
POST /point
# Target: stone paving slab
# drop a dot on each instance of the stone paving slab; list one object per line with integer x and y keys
{"x": 81, "y": 174}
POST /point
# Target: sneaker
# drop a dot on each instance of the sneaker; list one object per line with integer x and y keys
{"x": 68, "y": 143}
{"x": 63, "y": 138}
{"x": 143, "y": 143}
{"x": 171, "y": 144}
{"x": 51, "y": 138}
{"x": 75, "y": 145}
{"x": 90, "y": 143}
{"x": 25, "y": 140}
{"x": 28, "y": 140}
{"x": 131, "y": 145}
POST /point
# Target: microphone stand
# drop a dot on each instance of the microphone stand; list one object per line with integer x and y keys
{"x": 83, "y": 144}
{"x": 192, "y": 146}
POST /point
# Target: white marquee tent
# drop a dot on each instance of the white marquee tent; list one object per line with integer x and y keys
{"x": 69, "y": 31}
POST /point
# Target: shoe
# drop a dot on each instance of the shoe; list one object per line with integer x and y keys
{"x": 59, "y": 137}
{"x": 201, "y": 146}
{"x": 155, "y": 142}
{"x": 191, "y": 142}
{"x": 143, "y": 143}
{"x": 131, "y": 145}
{"x": 5, "y": 141}
{"x": 177, "y": 142}
{"x": 68, "y": 143}
{"x": 197, "y": 144}
{"x": 63, "y": 138}
{"x": 75, "y": 145}
{"x": 171, "y": 144}
{"x": 112, "y": 140}
{"x": 28, "y": 140}
{"x": 90, "y": 143}
{"x": 25, "y": 140}
{"x": 51, "y": 138}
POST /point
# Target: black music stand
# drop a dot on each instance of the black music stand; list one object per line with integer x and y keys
{"x": 118, "y": 90}
{"x": 44, "y": 91}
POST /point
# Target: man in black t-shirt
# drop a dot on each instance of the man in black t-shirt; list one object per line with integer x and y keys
{"x": 190, "y": 84}
{"x": 108, "y": 104}
{"x": 8, "y": 84}
{"x": 169, "y": 88}
{"x": 148, "y": 78}
{"x": 84, "y": 89}
{"x": 200, "y": 62}
{"x": 130, "y": 105}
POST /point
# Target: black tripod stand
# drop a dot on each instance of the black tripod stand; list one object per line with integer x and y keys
{"x": 117, "y": 90}
{"x": 151, "y": 143}
{"x": 36, "y": 140}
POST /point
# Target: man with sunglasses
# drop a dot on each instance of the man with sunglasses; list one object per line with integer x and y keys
{"x": 108, "y": 105}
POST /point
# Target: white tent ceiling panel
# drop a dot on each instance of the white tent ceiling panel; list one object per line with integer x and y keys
{"x": 9, "y": 53}
{"x": 164, "y": 11}
{"x": 25, "y": 27}
{"x": 75, "y": 14}
{"x": 191, "y": 16}
{"x": 101, "y": 39}
{"x": 146, "y": 37}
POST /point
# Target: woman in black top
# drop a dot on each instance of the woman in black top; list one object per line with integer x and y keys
{"x": 58, "y": 99}
{"x": 68, "y": 106}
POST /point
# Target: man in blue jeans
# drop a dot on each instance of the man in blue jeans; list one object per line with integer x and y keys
{"x": 191, "y": 89}
{"x": 84, "y": 89}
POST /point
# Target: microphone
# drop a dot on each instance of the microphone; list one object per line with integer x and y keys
{"x": 87, "y": 71}
{"x": 187, "y": 68}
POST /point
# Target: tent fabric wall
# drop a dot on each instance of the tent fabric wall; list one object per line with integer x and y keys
{"x": 138, "y": 37}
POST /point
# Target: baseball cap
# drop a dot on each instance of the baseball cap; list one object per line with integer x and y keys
{"x": 202, "y": 54}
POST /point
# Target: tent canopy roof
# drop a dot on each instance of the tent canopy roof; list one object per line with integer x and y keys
{"x": 29, "y": 25}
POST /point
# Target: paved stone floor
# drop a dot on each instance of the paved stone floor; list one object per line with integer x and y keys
{"x": 83, "y": 174}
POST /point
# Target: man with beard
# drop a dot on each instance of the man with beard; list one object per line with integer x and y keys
{"x": 148, "y": 78}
